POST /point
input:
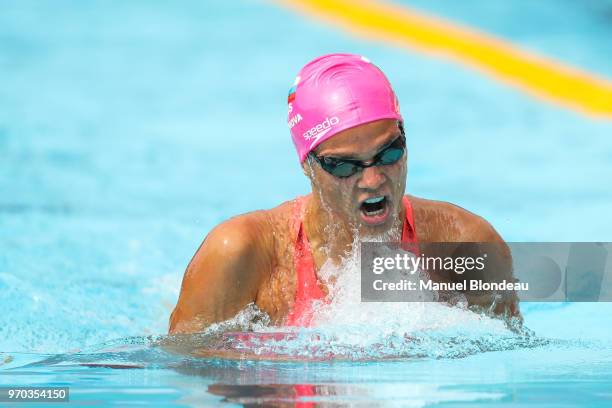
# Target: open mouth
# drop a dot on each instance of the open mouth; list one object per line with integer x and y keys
{"x": 374, "y": 210}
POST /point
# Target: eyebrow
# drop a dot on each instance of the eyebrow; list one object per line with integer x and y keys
{"x": 380, "y": 149}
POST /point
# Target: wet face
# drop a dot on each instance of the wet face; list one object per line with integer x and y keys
{"x": 370, "y": 200}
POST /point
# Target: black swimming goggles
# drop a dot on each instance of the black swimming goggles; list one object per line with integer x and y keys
{"x": 343, "y": 168}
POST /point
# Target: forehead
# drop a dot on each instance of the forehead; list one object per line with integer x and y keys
{"x": 360, "y": 141}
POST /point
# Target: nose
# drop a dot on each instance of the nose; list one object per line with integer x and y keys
{"x": 371, "y": 178}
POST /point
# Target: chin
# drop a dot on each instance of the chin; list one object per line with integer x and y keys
{"x": 387, "y": 230}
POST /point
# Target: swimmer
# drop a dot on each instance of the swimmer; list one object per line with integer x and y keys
{"x": 345, "y": 122}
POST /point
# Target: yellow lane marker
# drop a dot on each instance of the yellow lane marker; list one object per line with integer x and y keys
{"x": 534, "y": 74}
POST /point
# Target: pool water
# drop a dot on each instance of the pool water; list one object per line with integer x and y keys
{"x": 128, "y": 130}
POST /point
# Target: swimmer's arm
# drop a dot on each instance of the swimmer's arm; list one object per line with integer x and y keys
{"x": 222, "y": 278}
{"x": 499, "y": 264}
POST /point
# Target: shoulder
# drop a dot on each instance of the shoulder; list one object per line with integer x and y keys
{"x": 229, "y": 267}
{"x": 442, "y": 221}
{"x": 229, "y": 250}
{"x": 248, "y": 235}
{"x": 236, "y": 235}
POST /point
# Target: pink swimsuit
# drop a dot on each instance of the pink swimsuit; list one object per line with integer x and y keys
{"x": 307, "y": 287}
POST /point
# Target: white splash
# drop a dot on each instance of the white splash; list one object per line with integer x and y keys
{"x": 346, "y": 327}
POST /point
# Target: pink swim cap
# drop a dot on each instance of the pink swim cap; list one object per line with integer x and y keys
{"x": 336, "y": 92}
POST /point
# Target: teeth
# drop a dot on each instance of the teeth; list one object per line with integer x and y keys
{"x": 374, "y": 200}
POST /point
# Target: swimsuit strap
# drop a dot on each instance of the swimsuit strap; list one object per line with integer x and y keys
{"x": 307, "y": 287}
{"x": 409, "y": 237}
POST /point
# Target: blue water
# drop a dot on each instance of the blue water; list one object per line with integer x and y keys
{"x": 128, "y": 130}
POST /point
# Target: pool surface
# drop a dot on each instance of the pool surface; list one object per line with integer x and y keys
{"x": 128, "y": 130}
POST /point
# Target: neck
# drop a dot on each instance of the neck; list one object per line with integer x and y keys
{"x": 327, "y": 234}
{"x": 331, "y": 237}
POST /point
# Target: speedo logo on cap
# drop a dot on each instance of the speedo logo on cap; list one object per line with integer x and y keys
{"x": 320, "y": 129}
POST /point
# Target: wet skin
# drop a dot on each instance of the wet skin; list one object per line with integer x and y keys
{"x": 249, "y": 258}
